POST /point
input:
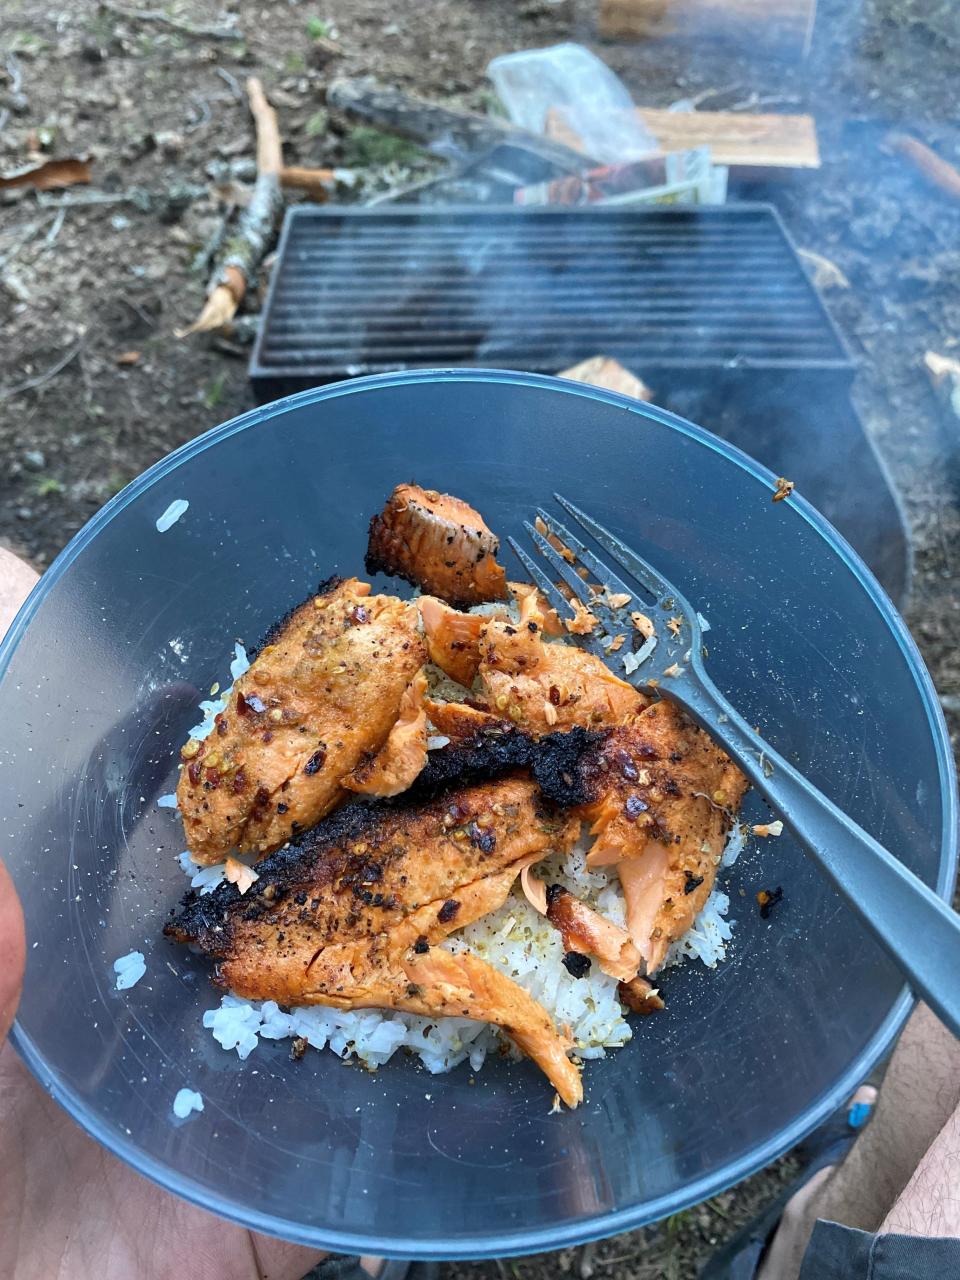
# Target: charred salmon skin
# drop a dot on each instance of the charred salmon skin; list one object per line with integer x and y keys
{"x": 351, "y": 913}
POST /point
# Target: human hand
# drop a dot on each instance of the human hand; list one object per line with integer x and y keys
{"x": 68, "y": 1209}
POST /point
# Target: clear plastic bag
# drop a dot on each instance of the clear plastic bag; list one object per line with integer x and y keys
{"x": 594, "y": 102}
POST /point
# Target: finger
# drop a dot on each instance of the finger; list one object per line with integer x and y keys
{"x": 17, "y": 580}
{"x": 12, "y": 951}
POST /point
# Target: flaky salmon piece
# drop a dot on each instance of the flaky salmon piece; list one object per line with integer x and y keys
{"x": 438, "y": 543}
{"x": 398, "y": 763}
{"x": 351, "y": 913}
{"x": 544, "y": 687}
{"x": 665, "y": 796}
{"x": 537, "y": 685}
{"x": 324, "y": 691}
{"x": 582, "y": 929}
{"x": 661, "y": 793}
{"x": 453, "y": 638}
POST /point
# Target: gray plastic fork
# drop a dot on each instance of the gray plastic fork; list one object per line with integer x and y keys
{"x": 917, "y": 929}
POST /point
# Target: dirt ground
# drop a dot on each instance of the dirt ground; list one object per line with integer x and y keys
{"x": 162, "y": 116}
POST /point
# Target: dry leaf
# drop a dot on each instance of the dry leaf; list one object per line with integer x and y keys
{"x": 49, "y": 175}
{"x": 784, "y": 489}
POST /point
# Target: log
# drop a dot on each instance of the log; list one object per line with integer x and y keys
{"x": 752, "y": 145}
{"x": 787, "y": 24}
{"x": 604, "y": 371}
{"x": 445, "y": 129}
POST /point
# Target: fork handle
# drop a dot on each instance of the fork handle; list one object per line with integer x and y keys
{"x": 916, "y": 927}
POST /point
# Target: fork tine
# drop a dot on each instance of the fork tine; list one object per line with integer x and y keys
{"x": 630, "y": 561}
{"x": 556, "y": 598}
{"x": 565, "y": 570}
{"x": 603, "y": 574}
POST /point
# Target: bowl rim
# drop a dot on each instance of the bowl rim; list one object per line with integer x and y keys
{"x": 516, "y": 1241}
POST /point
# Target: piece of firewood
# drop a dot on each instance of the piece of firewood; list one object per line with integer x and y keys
{"x": 604, "y": 371}
{"x": 784, "y": 23}
{"x": 244, "y": 251}
{"x": 447, "y": 129}
{"x": 933, "y": 167}
{"x": 749, "y": 144}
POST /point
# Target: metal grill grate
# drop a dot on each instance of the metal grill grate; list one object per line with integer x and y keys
{"x": 369, "y": 290}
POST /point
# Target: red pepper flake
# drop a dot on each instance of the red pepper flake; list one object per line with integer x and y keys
{"x": 239, "y": 782}
{"x": 249, "y": 702}
{"x": 555, "y": 695}
{"x": 359, "y": 614}
{"x": 221, "y": 724}
{"x": 213, "y": 780}
{"x": 193, "y": 772}
{"x": 315, "y": 763}
{"x": 448, "y": 911}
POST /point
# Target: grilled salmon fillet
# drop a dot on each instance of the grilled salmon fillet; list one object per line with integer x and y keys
{"x": 659, "y": 794}
{"x": 438, "y": 543}
{"x": 350, "y": 913}
{"x": 323, "y": 694}
{"x": 664, "y": 798}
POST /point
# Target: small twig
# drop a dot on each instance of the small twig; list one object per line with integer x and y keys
{"x": 138, "y": 310}
{"x": 141, "y": 197}
{"x": 31, "y": 384}
{"x": 706, "y": 94}
{"x": 55, "y": 227}
{"x": 12, "y": 65}
{"x": 213, "y": 243}
{"x": 164, "y": 19}
{"x": 231, "y": 82}
{"x": 203, "y": 113}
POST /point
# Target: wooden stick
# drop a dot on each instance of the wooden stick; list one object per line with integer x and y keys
{"x": 245, "y": 250}
{"x": 317, "y": 181}
{"x": 933, "y": 167}
{"x": 788, "y": 23}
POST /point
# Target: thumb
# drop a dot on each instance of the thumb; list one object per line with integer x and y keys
{"x": 12, "y": 951}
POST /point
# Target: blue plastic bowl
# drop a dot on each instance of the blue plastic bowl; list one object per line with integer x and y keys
{"x": 101, "y": 674}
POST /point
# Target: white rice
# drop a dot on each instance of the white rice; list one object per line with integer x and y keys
{"x": 516, "y": 940}
{"x": 176, "y": 509}
{"x": 129, "y": 970}
{"x": 187, "y": 1100}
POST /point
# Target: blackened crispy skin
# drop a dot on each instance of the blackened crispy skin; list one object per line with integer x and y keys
{"x": 347, "y": 915}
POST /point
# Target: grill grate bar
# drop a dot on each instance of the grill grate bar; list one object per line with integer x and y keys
{"x": 370, "y": 290}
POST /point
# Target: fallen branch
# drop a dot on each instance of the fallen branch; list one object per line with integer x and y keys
{"x": 245, "y": 250}
{"x": 933, "y": 167}
{"x": 175, "y": 24}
